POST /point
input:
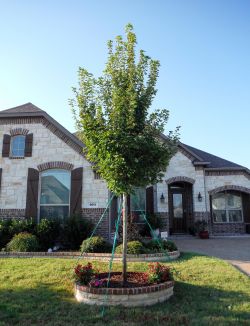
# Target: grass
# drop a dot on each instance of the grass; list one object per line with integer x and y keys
{"x": 39, "y": 291}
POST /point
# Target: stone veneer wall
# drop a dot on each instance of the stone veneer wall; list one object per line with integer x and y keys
{"x": 47, "y": 147}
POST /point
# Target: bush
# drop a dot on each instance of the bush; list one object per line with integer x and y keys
{"x": 10, "y": 227}
{"x": 95, "y": 244}
{"x": 158, "y": 245}
{"x": 158, "y": 273}
{"x": 25, "y": 225}
{"x": 133, "y": 248}
{"x": 5, "y": 235}
{"x": 23, "y": 242}
{"x": 47, "y": 232}
{"x": 155, "y": 222}
{"x": 74, "y": 230}
{"x": 83, "y": 274}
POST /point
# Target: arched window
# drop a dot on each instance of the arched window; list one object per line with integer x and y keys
{"x": 227, "y": 207}
{"x": 17, "y": 146}
{"x": 54, "y": 193}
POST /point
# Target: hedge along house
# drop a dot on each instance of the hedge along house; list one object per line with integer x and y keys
{"x": 44, "y": 173}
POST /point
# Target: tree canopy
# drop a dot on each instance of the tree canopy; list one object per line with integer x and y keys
{"x": 112, "y": 112}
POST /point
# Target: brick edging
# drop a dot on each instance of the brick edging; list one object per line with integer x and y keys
{"x": 121, "y": 291}
{"x": 98, "y": 256}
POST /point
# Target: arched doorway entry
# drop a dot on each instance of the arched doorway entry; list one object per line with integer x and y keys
{"x": 180, "y": 198}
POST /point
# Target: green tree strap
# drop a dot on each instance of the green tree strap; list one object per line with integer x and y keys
{"x": 113, "y": 253}
{"x": 151, "y": 229}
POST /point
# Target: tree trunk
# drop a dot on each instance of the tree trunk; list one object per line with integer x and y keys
{"x": 124, "y": 242}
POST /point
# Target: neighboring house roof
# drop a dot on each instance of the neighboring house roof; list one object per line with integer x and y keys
{"x": 197, "y": 156}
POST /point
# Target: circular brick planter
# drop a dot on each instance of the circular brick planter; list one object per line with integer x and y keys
{"x": 127, "y": 297}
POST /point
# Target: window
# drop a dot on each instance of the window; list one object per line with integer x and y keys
{"x": 138, "y": 204}
{"x": 55, "y": 194}
{"x": 177, "y": 206}
{"x": 227, "y": 207}
{"x": 17, "y": 146}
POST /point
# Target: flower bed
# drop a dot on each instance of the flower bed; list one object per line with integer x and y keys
{"x": 141, "y": 288}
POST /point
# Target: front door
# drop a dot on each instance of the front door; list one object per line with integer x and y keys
{"x": 178, "y": 212}
{"x": 180, "y": 206}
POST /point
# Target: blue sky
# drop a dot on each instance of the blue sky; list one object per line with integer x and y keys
{"x": 203, "y": 47}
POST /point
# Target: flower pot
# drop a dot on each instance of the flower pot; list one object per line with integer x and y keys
{"x": 204, "y": 234}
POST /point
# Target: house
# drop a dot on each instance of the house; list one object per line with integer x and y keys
{"x": 44, "y": 173}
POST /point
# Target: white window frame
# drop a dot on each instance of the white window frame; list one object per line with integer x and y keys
{"x": 227, "y": 210}
{"x": 39, "y": 193}
{"x": 11, "y": 145}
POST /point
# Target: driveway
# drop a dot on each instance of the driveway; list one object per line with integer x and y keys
{"x": 234, "y": 250}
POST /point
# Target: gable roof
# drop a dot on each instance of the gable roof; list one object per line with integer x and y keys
{"x": 25, "y": 108}
{"x": 212, "y": 160}
{"x": 197, "y": 156}
{"x": 29, "y": 110}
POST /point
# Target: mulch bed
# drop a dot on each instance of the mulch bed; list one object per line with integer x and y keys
{"x": 134, "y": 280}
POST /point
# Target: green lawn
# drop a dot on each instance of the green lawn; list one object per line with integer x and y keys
{"x": 39, "y": 291}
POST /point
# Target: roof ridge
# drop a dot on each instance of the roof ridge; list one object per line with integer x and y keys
{"x": 26, "y": 107}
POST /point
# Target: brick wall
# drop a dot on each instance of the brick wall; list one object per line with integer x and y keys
{"x": 12, "y": 213}
{"x": 94, "y": 214}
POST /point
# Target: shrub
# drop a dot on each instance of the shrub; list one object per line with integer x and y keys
{"x": 83, "y": 274}
{"x": 47, "y": 232}
{"x": 158, "y": 273}
{"x": 74, "y": 230}
{"x": 160, "y": 245}
{"x": 155, "y": 222}
{"x": 5, "y": 235}
{"x": 10, "y": 227}
{"x": 133, "y": 248}
{"x": 23, "y": 242}
{"x": 25, "y": 225}
{"x": 95, "y": 244}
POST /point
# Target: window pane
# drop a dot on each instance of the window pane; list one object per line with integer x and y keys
{"x": 138, "y": 204}
{"x": 17, "y": 146}
{"x": 219, "y": 215}
{"x": 55, "y": 187}
{"x": 235, "y": 216}
{"x": 138, "y": 200}
{"x": 234, "y": 201}
{"x": 50, "y": 212}
{"x": 219, "y": 201}
{"x": 177, "y": 205}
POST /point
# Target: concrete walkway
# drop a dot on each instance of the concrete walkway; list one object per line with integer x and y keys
{"x": 234, "y": 250}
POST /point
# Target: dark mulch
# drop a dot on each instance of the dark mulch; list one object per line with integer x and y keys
{"x": 134, "y": 279}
